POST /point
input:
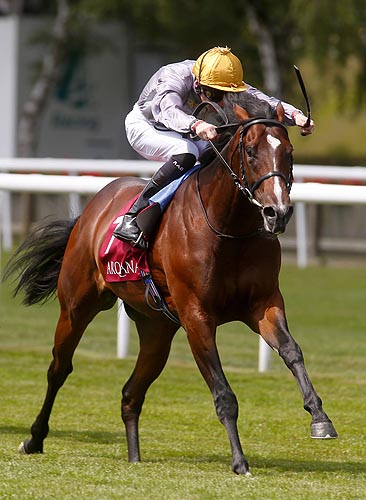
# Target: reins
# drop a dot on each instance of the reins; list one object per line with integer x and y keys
{"x": 213, "y": 229}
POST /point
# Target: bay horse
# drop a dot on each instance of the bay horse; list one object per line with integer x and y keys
{"x": 215, "y": 258}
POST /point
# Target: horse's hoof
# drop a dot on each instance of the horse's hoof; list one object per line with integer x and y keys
{"x": 323, "y": 430}
{"x": 22, "y": 449}
{"x": 25, "y": 449}
{"x": 243, "y": 472}
{"x": 241, "y": 468}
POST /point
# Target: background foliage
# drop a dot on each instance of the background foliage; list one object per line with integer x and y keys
{"x": 328, "y": 32}
{"x": 326, "y": 39}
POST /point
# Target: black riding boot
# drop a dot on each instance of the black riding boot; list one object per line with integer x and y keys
{"x": 128, "y": 229}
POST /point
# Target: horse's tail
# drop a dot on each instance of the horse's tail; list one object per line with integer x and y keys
{"x": 36, "y": 264}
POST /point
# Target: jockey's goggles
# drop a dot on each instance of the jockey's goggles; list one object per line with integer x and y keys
{"x": 212, "y": 94}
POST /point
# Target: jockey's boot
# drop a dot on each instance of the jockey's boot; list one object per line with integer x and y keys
{"x": 129, "y": 230}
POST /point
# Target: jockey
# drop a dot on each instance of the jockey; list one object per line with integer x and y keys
{"x": 160, "y": 123}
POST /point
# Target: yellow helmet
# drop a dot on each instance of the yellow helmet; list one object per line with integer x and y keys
{"x": 220, "y": 69}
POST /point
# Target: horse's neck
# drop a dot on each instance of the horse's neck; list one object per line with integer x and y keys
{"x": 227, "y": 207}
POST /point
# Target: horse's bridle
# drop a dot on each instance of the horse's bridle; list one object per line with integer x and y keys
{"x": 243, "y": 184}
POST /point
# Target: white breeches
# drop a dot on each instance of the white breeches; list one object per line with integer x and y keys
{"x": 155, "y": 144}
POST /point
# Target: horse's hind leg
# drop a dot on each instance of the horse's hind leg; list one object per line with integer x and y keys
{"x": 155, "y": 342}
{"x": 74, "y": 317}
{"x": 273, "y": 328}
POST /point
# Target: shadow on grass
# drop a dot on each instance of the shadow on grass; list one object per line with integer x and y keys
{"x": 86, "y": 436}
{"x": 256, "y": 462}
{"x": 295, "y": 465}
{"x": 272, "y": 465}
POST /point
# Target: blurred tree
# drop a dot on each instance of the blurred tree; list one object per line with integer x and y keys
{"x": 171, "y": 24}
{"x": 268, "y": 37}
{"x": 35, "y": 104}
{"x": 70, "y": 35}
{"x": 330, "y": 32}
{"x": 253, "y": 29}
{"x": 333, "y": 33}
{"x": 11, "y": 7}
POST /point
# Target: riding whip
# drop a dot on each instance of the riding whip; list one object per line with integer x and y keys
{"x": 305, "y": 94}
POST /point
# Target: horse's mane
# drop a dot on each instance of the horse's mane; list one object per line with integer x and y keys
{"x": 255, "y": 107}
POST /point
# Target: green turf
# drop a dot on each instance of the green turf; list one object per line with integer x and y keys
{"x": 185, "y": 451}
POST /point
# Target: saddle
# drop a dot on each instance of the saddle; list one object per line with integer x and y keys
{"x": 124, "y": 262}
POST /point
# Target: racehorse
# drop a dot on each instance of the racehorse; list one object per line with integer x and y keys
{"x": 215, "y": 258}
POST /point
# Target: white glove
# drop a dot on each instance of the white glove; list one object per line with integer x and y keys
{"x": 301, "y": 120}
{"x": 204, "y": 130}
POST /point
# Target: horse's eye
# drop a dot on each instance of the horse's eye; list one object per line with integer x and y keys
{"x": 250, "y": 151}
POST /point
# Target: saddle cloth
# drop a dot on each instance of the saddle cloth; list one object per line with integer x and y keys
{"x": 121, "y": 260}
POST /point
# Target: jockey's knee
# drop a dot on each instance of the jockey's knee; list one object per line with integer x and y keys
{"x": 186, "y": 160}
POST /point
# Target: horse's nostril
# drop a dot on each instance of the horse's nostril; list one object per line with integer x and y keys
{"x": 269, "y": 212}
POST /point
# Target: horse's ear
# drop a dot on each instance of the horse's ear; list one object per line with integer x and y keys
{"x": 280, "y": 112}
{"x": 240, "y": 112}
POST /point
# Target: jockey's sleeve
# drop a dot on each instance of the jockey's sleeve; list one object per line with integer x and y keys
{"x": 164, "y": 98}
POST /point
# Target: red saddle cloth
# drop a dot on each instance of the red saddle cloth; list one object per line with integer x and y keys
{"x": 122, "y": 261}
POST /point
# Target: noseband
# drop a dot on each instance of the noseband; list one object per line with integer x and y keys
{"x": 243, "y": 184}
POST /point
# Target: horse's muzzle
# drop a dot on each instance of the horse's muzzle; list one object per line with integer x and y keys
{"x": 276, "y": 219}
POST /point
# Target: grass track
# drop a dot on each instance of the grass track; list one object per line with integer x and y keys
{"x": 184, "y": 448}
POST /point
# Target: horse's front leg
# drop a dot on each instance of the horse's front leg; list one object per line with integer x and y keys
{"x": 274, "y": 329}
{"x": 201, "y": 337}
